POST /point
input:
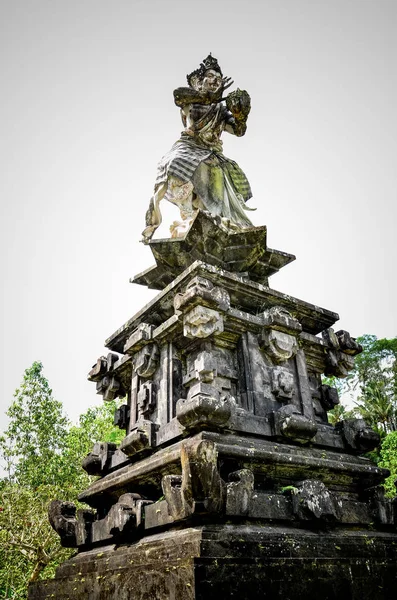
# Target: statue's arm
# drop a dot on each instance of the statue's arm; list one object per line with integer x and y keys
{"x": 186, "y": 95}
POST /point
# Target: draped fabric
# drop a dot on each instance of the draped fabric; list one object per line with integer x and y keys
{"x": 197, "y": 157}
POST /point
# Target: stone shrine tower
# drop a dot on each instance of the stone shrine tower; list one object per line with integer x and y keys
{"x": 230, "y": 482}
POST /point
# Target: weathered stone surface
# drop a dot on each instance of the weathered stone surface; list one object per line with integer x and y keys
{"x": 96, "y": 462}
{"x": 240, "y": 491}
{"x": 201, "y": 322}
{"x": 290, "y": 423}
{"x": 208, "y": 240}
{"x": 199, "y": 489}
{"x": 205, "y": 410}
{"x": 62, "y": 517}
{"x": 140, "y": 438}
{"x": 226, "y": 561}
{"x": 358, "y": 435}
{"x": 311, "y": 500}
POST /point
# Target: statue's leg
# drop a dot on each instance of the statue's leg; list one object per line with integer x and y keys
{"x": 182, "y": 196}
{"x": 153, "y": 214}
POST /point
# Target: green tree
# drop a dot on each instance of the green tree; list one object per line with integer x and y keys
{"x": 388, "y": 456}
{"x": 42, "y": 454}
{"x": 375, "y": 379}
{"x": 37, "y": 432}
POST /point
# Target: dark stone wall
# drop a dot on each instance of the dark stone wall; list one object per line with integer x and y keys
{"x": 233, "y": 561}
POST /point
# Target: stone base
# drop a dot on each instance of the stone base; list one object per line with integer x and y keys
{"x": 216, "y": 562}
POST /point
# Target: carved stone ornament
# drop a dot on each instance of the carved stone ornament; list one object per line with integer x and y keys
{"x": 282, "y": 383}
{"x": 139, "y": 337}
{"x": 201, "y": 322}
{"x": 202, "y": 409}
{"x": 279, "y": 346}
{"x": 240, "y": 490}
{"x": 311, "y": 500}
{"x": 340, "y": 352}
{"x": 146, "y": 399}
{"x": 140, "y": 438}
{"x": 62, "y": 517}
{"x": 290, "y": 423}
{"x": 329, "y": 397}
{"x": 108, "y": 384}
{"x": 205, "y": 367}
{"x": 358, "y": 435}
{"x": 202, "y": 291}
{"x": 146, "y": 360}
{"x": 200, "y": 488}
{"x": 280, "y": 319}
{"x": 123, "y": 520}
{"x": 97, "y": 460}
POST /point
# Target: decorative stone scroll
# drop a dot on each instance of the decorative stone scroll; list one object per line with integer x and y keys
{"x": 108, "y": 384}
{"x": 124, "y": 520}
{"x": 340, "y": 352}
{"x": 279, "y": 336}
{"x": 98, "y": 459}
{"x": 200, "y": 488}
{"x": 312, "y": 501}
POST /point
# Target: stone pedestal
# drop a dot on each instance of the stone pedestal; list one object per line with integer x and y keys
{"x": 230, "y": 482}
{"x": 245, "y": 561}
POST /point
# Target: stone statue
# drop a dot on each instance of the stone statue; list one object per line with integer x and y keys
{"x": 195, "y": 174}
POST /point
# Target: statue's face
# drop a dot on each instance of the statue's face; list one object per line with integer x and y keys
{"x": 212, "y": 81}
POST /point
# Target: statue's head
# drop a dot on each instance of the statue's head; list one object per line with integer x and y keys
{"x": 207, "y": 77}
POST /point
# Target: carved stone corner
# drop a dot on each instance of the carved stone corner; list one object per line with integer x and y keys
{"x": 201, "y": 322}
{"x": 282, "y": 383}
{"x": 142, "y": 437}
{"x": 97, "y": 460}
{"x": 200, "y": 489}
{"x": 290, "y": 423}
{"x": 277, "y": 318}
{"x": 202, "y": 291}
{"x": 141, "y": 336}
{"x": 108, "y": 384}
{"x": 146, "y": 360}
{"x": 278, "y": 345}
{"x": 204, "y": 410}
{"x": 312, "y": 501}
{"x": 329, "y": 397}
{"x": 125, "y": 520}
{"x": 340, "y": 352}
{"x": 62, "y": 517}
{"x": 122, "y": 416}
{"x": 358, "y": 435}
{"x": 383, "y": 510}
{"x": 240, "y": 490}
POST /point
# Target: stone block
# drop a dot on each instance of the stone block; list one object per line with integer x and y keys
{"x": 279, "y": 346}
{"x": 291, "y": 424}
{"x": 203, "y": 410}
{"x": 358, "y": 435}
{"x": 201, "y": 322}
{"x": 141, "y": 336}
{"x": 142, "y": 437}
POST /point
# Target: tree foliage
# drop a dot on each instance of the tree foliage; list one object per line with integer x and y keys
{"x": 375, "y": 379}
{"x": 388, "y": 455}
{"x": 41, "y": 453}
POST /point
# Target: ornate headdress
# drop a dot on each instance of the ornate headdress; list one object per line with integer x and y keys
{"x": 196, "y": 76}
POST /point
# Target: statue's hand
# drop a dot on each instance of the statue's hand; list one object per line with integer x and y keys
{"x": 226, "y": 83}
{"x": 215, "y": 97}
{"x": 239, "y": 104}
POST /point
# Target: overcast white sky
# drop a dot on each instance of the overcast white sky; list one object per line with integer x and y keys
{"x": 87, "y": 112}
